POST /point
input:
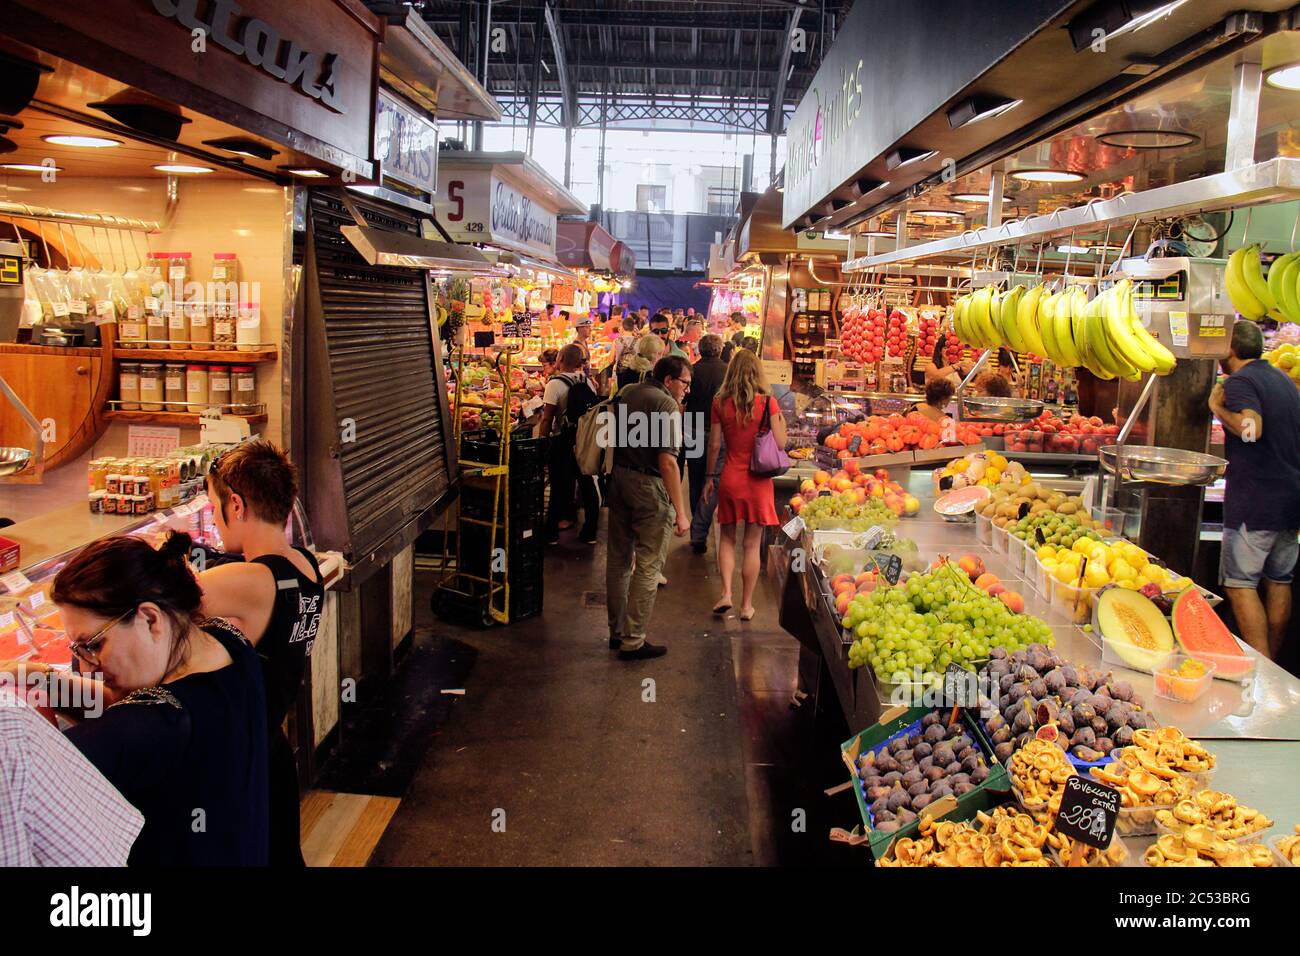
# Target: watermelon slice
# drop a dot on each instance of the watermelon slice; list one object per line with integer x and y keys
{"x": 1202, "y": 634}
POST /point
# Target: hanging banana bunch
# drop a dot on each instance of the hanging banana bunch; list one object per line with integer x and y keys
{"x": 1255, "y": 296}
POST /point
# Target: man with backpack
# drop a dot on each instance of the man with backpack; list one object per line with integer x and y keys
{"x": 567, "y": 398}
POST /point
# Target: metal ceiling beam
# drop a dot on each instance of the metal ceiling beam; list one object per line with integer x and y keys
{"x": 650, "y": 39}
{"x": 662, "y": 21}
{"x": 778, "y": 97}
{"x": 536, "y": 89}
{"x": 567, "y": 99}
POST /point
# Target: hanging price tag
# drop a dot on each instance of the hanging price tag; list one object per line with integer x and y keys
{"x": 78, "y": 307}
{"x": 61, "y": 309}
{"x": 891, "y": 566}
{"x": 793, "y": 528}
{"x": 1178, "y": 328}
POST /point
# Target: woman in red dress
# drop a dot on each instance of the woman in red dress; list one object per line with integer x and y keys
{"x": 738, "y": 412}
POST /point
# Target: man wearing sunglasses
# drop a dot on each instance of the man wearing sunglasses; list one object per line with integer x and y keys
{"x": 662, "y": 326}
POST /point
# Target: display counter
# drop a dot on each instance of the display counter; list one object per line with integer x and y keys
{"x": 1254, "y": 729}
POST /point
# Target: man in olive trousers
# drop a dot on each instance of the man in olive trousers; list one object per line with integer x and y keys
{"x": 646, "y": 503}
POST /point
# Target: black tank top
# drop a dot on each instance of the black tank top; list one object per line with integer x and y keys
{"x": 295, "y": 619}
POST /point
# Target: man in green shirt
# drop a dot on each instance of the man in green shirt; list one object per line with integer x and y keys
{"x": 646, "y": 503}
{"x": 662, "y": 326}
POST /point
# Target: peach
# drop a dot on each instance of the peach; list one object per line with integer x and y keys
{"x": 841, "y": 579}
{"x": 797, "y": 504}
{"x": 842, "y": 602}
{"x": 987, "y": 580}
{"x": 866, "y": 577}
{"x": 807, "y": 486}
{"x": 1013, "y": 601}
{"x": 821, "y": 478}
{"x": 972, "y": 565}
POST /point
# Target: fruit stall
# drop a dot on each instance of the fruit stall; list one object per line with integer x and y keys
{"x": 1085, "y": 655}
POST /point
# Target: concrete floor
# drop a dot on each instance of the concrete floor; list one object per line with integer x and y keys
{"x": 556, "y": 755}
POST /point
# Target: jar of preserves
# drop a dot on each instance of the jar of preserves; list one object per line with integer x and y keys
{"x": 151, "y": 386}
{"x": 196, "y": 387}
{"x": 174, "y": 387}
{"x": 243, "y": 387}
{"x": 128, "y": 387}
{"x": 248, "y": 336}
{"x": 97, "y": 472}
{"x": 219, "y": 386}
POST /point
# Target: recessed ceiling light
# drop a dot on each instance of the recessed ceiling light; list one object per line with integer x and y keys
{"x": 1047, "y": 176}
{"x": 907, "y": 155}
{"x": 1074, "y": 250}
{"x": 305, "y": 172}
{"x": 89, "y": 142}
{"x": 1285, "y": 77}
{"x": 182, "y": 168}
{"x": 881, "y": 234}
{"x": 979, "y": 108}
{"x": 1148, "y": 139}
{"x": 31, "y": 167}
{"x": 938, "y": 213}
{"x": 982, "y": 198}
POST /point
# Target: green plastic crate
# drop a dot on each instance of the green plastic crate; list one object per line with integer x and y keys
{"x": 993, "y": 790}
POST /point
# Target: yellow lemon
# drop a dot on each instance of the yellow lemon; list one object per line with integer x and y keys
{"x": 1083, "y": 546}
{"x": 1046, "y": 551}
{"x": 1096, "y": 575}
{"x": 1129, "y": 585}
{"x": 1151, "y": 574}
{"x": 1050, "y": 565}
{"x": 1066, "y": 573}
{"x": 960, "y": 465}
{"x": 1122, "y": 571}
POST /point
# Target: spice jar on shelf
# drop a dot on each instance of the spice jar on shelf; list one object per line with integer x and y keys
{"x": 225, "y": 276}
{"x": 174, "y": 387}
{"x": 243, "y": 386}
{"x": 178, "y": 323}
{"x": 151, "y": 387}
{"x": 248, "y": 336}
{"x": 200, "y": 327}
{"x": 223, "y": 319}
{"x": 219, "y": 386}
{"x": 196, "y": 387}
{"x": 128, "y": 386}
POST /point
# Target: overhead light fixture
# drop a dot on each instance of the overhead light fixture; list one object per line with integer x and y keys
{"x": 1047, "y": 176}
{"x": 88, "y": 142}
{"x": 907, "y": 156}
{"x": 182, "y": 168}
{"x": 1074, "y": 250}
{"x": 1284, "y": 77}
{"x": 242, "y": 146}
{"x": 1106, "y": 21}
{"x": 143, "y": 113}
{"x": 979, "y": 108}
{"x": 30, "y": 167}
{"x": 938, "y": 213}
{"x": 981, "y": 198}
{"x": 18, "y": 81}
{"x": 865, "y": 185}
{"x": 306, "y": 172}
{"x": 1148, "y": 139}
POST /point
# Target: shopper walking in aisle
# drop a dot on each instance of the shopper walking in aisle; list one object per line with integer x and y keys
{"x": 187, "y": 733}
{"x": 568, "y": 395}
{"x": 639, "y": 364}
{"x": 643, "y": 317}
{"x": 624, "y": 348}
{"x": 662, "y": 326}
{"x": 1259, "y": 407}
{"x": 707, "y": 376}
{"x": 938, "y": 395}
{"x": 276, "y": 594}
{"x": 742, "y": 407}
{"x": 646, "y": 504}
{"x": 42, "y": 776}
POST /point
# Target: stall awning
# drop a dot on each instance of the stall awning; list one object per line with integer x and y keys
{"x": 520, "y": 261}
{"x": 585, "y": 245}
{"x": 382, "y": 247}
{"x": 425, "y": 70}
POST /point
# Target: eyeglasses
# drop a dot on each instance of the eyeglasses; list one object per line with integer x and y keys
{"x": 85, "y": 650}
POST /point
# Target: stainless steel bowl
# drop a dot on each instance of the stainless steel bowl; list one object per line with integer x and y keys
{"x": 1161, "y": 466}
{"x": 13, "y": 460}
{"x": 991, "y": 408}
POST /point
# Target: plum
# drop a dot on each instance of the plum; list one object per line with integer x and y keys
{"x": 979, "y": 774}
{"x": 898, "y": 800}
{"x": 891, "y": 778}
{"x": 879, "y": 805}
{"x": 934, "y": 774}
{"x": 911, "y": 777}
{"x": 1003, "y": 751}
{"x": 897, "y": 744}
{"x": 1084, "y": 736}
{"x": 935, "y": 733}
{"x": 922, "y": 750}
{"x": 954, "y": 767}
{"x": 1003, "y": 735}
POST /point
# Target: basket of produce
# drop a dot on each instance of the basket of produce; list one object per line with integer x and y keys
{"x": 1003, "y": 837}
{"x": 1221, "y": 812}
{"x": 1200, "y": 847}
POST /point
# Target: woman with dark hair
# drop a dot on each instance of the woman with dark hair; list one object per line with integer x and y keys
{"x": 185, "y": 739}
{"x": 938, "y": 393}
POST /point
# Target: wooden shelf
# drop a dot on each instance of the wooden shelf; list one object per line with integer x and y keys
{"x": 184, "y": 419}
{"x": 194, "y": 355}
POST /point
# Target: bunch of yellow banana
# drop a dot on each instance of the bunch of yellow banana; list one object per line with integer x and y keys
{"x": 1254, "y": 296}
{"x": 1114, "y": 343}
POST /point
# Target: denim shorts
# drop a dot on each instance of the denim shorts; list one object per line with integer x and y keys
{"x": 1250, "y": 555}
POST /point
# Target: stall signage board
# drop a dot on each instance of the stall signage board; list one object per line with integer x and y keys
{"x": 476, "y": 205}
{"x": 406, "y": 144}
{"x": 1088, "y": 812}
{"x": 304, "y": 75}
{"x": 778, "y": 373}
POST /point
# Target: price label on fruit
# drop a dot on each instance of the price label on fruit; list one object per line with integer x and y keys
{"x": 793, "y": 528}
{"x": 1088, "y": 812}
{"x": 960, "y": 687}
{"x": 891, "y": 567}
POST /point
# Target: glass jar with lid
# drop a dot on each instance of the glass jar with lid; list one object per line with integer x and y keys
{"x": 174, "y": 387}
{"x": 219, "y": 386}
{"x": 248, "y": 336}
{"x": 200, "y": 327}
{"x": 243, "y": 386}
{"x": 178, "y": 321}
{"x": 225, "y": 278}
{"x": 196, "y": 387}
{"x": 128, "y": 386}
{"x": 151, "y": 387}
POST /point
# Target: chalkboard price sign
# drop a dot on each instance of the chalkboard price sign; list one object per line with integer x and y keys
{"x": 1088, "y": 812}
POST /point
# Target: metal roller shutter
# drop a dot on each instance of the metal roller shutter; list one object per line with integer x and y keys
{"x": 373, "y": 361}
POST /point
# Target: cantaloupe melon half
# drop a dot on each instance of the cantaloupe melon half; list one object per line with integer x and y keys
{"x": 1135, "y": 628}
